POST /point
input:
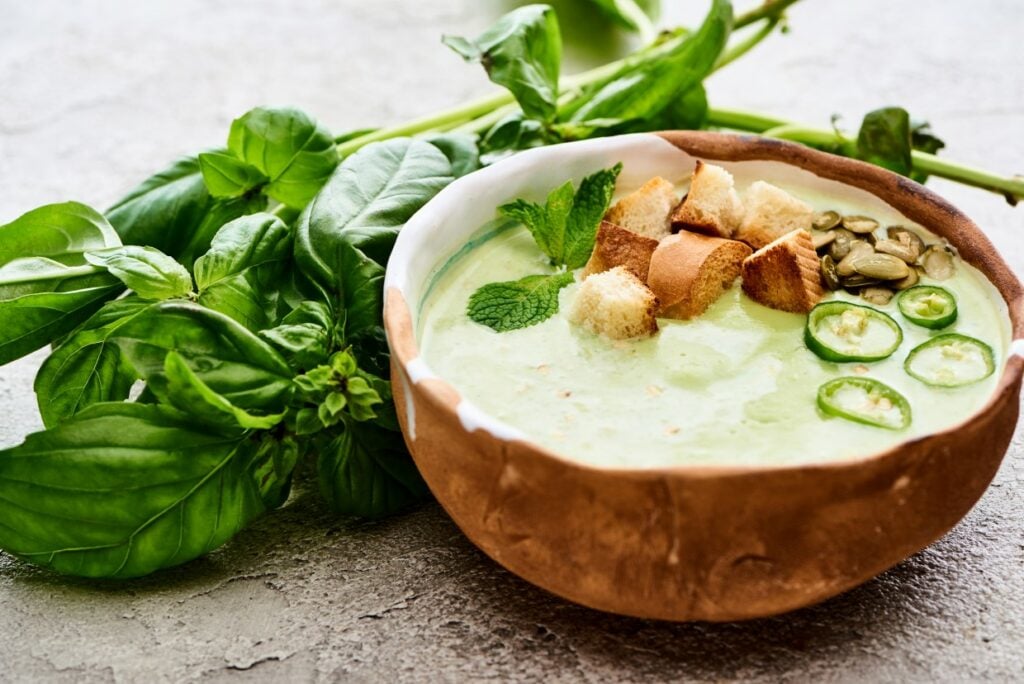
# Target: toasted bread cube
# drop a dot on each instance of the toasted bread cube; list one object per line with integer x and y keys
{"x": 615, "y": 304}
{"x": 771, "y": 213}
{"x": 646, "y": 211}
{"x": 616, "y": 246}
{"x": 785, "y": 274}
{"x": 711, "y": 206}
{"x": 690, "y": 271}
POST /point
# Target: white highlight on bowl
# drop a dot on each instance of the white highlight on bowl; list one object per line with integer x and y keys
{"x": 1017, "y": 348}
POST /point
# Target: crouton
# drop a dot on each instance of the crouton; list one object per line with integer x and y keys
{"x": 616, "y": 246}
{"x": 615, "y": 304}
{"x": 690, "y": 271}
{"x": 646, "y": 211}
{"x": 712, "y": 206}
{"x": 771, "y": 213}
{"x": 784, "y": 274}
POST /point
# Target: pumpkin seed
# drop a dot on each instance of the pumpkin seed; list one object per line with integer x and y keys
{"x": 858, "y": 250}
{"x": 840, "y": 247}
{"x": 881, "y": 266}
{"x": 829, "y": 277}
{"x": 822, "y": 239}
{"x": 907, "y": 237}
{"x": 856, "y": 281}
{"x": 906, "y": 283}
{"x": 938, "y": 262}
{"x": 826, "y": 220}
{"x": 898, "y": 249}
{"x": 860, "y": 224}
{"x": 879, "y": 296}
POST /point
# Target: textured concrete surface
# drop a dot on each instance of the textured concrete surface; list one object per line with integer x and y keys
{"x": 95, "y": 95}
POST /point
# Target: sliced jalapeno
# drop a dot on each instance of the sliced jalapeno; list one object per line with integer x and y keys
{"x": 866, "y": 401}
{"x": 950, "y": 360}
{"x": 841, "y": 331}
{"x": 928, "y": 306}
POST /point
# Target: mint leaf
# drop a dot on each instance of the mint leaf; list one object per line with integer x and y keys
{"x": 518, "y": 303}
{"x": 565, "y": 226}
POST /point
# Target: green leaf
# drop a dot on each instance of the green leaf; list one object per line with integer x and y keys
{"x": 519, "y": 303}
{"x": 522, "y": 51}
{"x": 273, "y": 466}
{"x": 147, "y": 271}
{"x": 122, "y": 490}
{"x": 885, "y": 139}
{"x": 287, "y": 146}
{"x": 922, "y": 138}
{"x": 88, "y": 368}
{"x": 47, "y": 287}
{"x": 565, "y": 226}
{"x": 365, "y": 470}
{"x": 227, "y": 176}
{"x": 639, "y": 91}
{"x": 512, "y": 133}
{"x": 228, "y": 358}
{"x": 624, "y": 12}
{"x": 304, "y": 336}
{"x": 241, "y": 273}
{"x": 461, "y": 150}
{"x": 187, "y": 392}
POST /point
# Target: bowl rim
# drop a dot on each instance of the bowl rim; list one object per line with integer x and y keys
{"x": 711, "y": 146}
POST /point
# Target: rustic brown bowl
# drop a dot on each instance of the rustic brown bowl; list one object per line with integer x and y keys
{"x": 686, "y": 543}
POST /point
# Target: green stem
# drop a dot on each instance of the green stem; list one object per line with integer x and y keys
{"x": 734, "y": 52}
{"x": 633, "y": 13}
{"x": 771, "y": 9}
{"x": 1012, "y": 188}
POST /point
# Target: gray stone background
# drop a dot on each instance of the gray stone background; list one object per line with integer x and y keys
{"x": 95, "y": 95}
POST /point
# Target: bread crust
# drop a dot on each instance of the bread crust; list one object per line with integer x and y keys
{"x": 695, "y": 213}
{"x": 771, "y": 212}
{"x": 690, "y": 271}
{"x": 616, "y": 246}
{"x": 646, "y": 211}
{"x": 785, "y": 274}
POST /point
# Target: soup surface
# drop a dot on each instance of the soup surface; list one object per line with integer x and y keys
{"x": 734, "y": 386}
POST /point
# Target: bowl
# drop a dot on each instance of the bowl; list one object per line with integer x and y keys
{"x": 686, "y": 542}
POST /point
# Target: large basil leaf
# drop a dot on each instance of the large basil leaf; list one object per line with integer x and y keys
{"x": 47, "y": 287}
{"x": 522, "y": 51}
{"x": 88, "y": 368}
{"x": 240, "y": 274}
{"x": 884, "y": 139}
{"x": 124, "y": 489}
{"x": 345, "y": 235}
{"x": 641, "y": 91}
{"x": 461, "y": 149}
{"x": 228, "y": 358}
{"x": 147, "y": 271}
{"x": 287, "y": 146}
{"x": 305, "y": 335}
{"x": 365, "y": 470}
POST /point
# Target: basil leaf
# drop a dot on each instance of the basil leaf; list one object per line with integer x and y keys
{"x": 227, "y": 176}
{"x": 565, "y": 226}
{"x": 273, "y": 466}
{"x": 365, "y": 470}
{"x": 232, "y": 361}
{"x": 47, "y": 287}
{"x": 220, "y": 213}
{"x": 522, "y": 51}
{"x": 240, "y": 274}
{"x": 190, "y": 394}
{"x": 519, "y": 303}
{"x": 124, "y": 489}
{"x": 304, "y": 336}
{"x": 147, "y": 271}
{"x": 639, "y": 91}
{"x": 88, "y": 368}
{"x": 287, "y": 146}
{"x": 884, "y": 139}
{"x": 512, "y": 133}
{"x": 461, "y": 149}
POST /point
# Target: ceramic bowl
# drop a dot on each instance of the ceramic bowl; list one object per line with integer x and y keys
{"x": 687, "y": 542}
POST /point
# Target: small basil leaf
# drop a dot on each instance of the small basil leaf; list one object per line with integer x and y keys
{"x": 273, "y": 466}
{"x": 147, "y": 271}
{"x": 287, "y": 146}
{"x": 88, "y": 368}
{"x": 47, "y": 288}
{"x": 304, "y": 336}
{"x": 220, "y": 213}
{"x": 461, "y": 150}
{"x": 365, "y": 470}
{"x": 241, "y": 273}
{"x": 522, "y": 51}
{"x": 187, "y": 392}
{"x": 151, "y": 489}
{"x": 512, "y": 133}
{"x": 885, "y": 139}
{"x": 519, "y": 303}
{"x": 227, "y": 176}
{"x": 639, "y": 91}
{"x": 227, "y": 357}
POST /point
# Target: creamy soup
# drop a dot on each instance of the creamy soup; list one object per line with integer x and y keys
{"x": 736, "y": 385}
